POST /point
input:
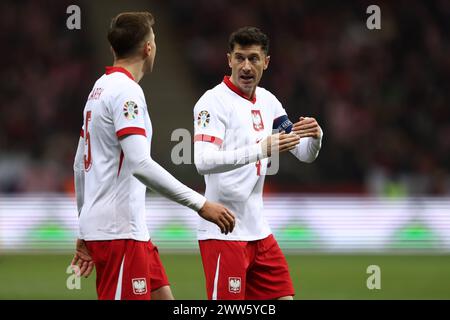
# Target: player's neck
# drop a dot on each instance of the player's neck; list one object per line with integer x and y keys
{"x": 133, "y": 67}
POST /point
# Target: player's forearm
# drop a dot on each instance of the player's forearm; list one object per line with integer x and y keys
{"x": 79, "y": 175}
{"x": 308, "y": 149}
{"x": 155, "y": 177}
{"x": 208, "y": 159}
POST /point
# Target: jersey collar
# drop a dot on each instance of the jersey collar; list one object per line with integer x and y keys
{"x": 238, "y": 91}
{"x": 110, "y": 70}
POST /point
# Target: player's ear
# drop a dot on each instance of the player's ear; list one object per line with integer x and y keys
{"x": 147, "y": 48}
{"x": 229, "y": 59}
{"x": 266, "y": 62}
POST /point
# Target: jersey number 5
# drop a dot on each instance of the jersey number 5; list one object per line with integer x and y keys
{"x": 258, "y": 167}
{"x": 87, "y": 143}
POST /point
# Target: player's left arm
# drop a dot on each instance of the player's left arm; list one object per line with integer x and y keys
{"x": 78, "y": 170}
{"x": 307, "y": 128}
{"x": 310, "y": 133}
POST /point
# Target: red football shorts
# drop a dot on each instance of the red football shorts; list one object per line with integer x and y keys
{"x": 250, "y": 270}
{"x": 127, "y": 269}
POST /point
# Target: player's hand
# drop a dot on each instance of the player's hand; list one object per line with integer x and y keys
{"x": 307, "y": 127}
{"x": 82, "y": 259}
{"x": 279, "y": 142}
{"x": 218, "y": 214}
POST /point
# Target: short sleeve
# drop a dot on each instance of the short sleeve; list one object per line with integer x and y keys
{"x": 209, "y": 121}
{"x": 128, "y": 111}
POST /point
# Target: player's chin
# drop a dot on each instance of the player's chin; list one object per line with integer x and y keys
{"x": 246, "y": 88}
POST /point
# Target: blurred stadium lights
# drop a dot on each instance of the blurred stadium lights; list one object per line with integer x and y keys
{"x": 48, "y": 222}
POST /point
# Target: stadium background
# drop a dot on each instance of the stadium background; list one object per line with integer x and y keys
{"x": 377, "y": 195}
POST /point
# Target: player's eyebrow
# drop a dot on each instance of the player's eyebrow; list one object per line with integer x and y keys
{"x": 250, "y": 55}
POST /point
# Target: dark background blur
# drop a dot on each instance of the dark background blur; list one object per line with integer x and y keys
{"x": 381, "y": 96}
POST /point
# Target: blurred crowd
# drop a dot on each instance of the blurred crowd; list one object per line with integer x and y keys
{"x": 43, "y": 86}
{"x": 381, "y": 96}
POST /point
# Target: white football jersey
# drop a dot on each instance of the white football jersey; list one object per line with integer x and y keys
{"x": 224, "y": 116}
{"x": 114, "y": 200}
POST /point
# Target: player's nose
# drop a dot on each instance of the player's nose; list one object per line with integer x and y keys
{"x": 247, "y": 66}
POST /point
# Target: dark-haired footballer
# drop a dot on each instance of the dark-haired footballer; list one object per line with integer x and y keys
{"x": 233, "y": 140}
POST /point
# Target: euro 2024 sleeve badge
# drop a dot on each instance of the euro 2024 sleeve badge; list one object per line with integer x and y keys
{"x": 130, "y": 110}
{"x": 203, "y": 119}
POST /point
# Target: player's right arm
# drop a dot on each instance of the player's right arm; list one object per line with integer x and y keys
{"x": 155, "y": 177}
{"x": 209, "y": 158}
{"x": 210, "y": 124}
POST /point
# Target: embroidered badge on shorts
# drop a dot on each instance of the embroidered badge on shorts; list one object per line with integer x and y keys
{"x": 130, "y": 110}
{"x": 139, "y": 286}
{"x": 203, "y": 119}
{"x": 234, "y": 284}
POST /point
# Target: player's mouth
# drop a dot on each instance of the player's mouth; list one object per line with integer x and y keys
{"x": 246, "y": 79}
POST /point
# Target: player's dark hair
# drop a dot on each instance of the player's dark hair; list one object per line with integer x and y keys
{"x": 247, "y": 36}
{"x": 128, "y": 30}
